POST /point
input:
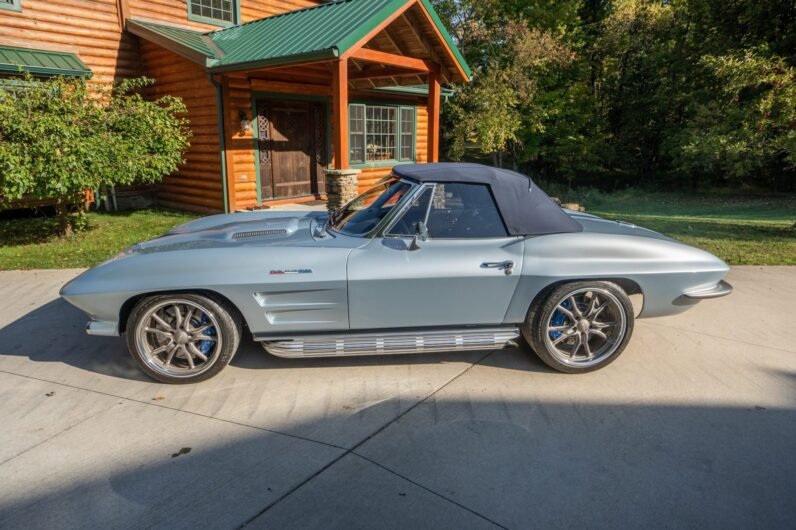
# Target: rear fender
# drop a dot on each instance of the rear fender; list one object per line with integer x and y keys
{"x": 661, "y": 270}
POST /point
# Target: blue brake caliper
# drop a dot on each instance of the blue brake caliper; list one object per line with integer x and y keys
{"x": 559, "y": 319}
{"x": 206, "y": 345}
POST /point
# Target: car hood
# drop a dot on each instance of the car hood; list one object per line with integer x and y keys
{"x": 260, "y": 229}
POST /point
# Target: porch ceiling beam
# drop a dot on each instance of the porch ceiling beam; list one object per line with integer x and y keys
{"x": 284, "y": 87}
{"x": 359, "y": 68}
{"x": 391, "y": 59}
{"x": 378, "y": 72}
{"x": 264, "y": 69}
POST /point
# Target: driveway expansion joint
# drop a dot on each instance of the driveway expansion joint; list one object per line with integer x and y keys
{"x": 159, "y": 405}
{"x": 429, "y": 490}
{"x": 352, "y": 451}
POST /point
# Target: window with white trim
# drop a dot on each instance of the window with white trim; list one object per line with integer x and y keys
{"x": 407, "y": 134}
{"x": 381, "y": 133}
{"x": 223, "y": 12}
{"x": 14, "y": 5}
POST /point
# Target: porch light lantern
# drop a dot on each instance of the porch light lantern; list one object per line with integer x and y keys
{"x": 245, "y": 122}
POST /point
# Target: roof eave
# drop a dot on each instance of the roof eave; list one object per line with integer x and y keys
{"x": 43, "y": 71}
{"x": 68, "y": 64}
{"x": 144, "y": 32}
{"x": 409, "y": 90}
{"x": 462, "y": 62}
{"x": 320, "y": 55}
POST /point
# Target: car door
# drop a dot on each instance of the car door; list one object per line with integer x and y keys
{"x": 465, "y": 273}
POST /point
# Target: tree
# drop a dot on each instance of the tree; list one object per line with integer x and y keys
{"x": 646, "y": 67}
{"x": 58, "y": 139}
{"x": 615, "y": 93}
{"x": 746, "y": 123}
{"x": 498, "y": 105}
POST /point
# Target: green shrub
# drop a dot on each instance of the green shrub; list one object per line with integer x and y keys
{"x": 59, "y": 139}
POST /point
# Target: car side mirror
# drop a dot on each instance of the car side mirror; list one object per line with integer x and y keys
{"x": 421, "y": 234}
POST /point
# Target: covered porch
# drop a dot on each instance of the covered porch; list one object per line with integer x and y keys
{"x": 347, "y": 88}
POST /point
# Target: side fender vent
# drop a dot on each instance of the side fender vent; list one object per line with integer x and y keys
{"x": 259, "y": 233}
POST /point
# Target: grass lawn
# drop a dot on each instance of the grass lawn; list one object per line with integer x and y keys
{"x": 30, "y": 244}
{"x": 740, "y": 229}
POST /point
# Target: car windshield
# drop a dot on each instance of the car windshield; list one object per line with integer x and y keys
{"x": 360, "y": 216}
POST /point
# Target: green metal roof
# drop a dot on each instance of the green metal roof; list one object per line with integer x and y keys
{"x": 41, "y": 62}
{"x": 322, "y": 31}
{"x": 191, "y": 44}
{"x": 318, "y": 32}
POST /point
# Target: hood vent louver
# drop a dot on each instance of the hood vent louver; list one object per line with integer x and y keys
{"x": 259, "y": 233}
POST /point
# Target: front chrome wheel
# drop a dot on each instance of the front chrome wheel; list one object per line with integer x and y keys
{"x": 178, "y": 338}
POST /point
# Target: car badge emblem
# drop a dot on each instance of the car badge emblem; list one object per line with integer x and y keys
{"x": 292, "y": 271}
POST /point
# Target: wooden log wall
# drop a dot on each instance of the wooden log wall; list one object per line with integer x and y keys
{"x": 167, "y": 11}
{"x": 197, "y": 185}
{"x": 90, "y": 28}
{"x": 176, "y": 11}
{"x": 241, "y": 169}
{"x": 254, "y": 9}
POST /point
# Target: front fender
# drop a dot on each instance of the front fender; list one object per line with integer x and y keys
{"x": 311, "y": 295}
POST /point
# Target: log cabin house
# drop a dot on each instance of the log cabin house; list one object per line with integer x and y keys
{"x": 279, "y": 92}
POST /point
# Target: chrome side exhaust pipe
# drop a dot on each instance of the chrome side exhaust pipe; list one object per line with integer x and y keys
{"x": 392, "y": 343}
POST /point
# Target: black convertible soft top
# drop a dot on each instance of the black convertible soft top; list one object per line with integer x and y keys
{"x": 525, "y": 208}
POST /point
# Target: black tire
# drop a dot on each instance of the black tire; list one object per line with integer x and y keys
{"x": 535, "y": 328}
{"x": 224, "y": 324}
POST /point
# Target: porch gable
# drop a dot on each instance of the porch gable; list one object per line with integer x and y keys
{"x": 323, "y": 32}
{"x": 284, "y": 86}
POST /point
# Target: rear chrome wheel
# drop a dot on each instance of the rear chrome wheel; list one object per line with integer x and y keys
{"x": 586, "y": 327}
{"x": 581, "y": 326}
{"x": 180, "y": 339}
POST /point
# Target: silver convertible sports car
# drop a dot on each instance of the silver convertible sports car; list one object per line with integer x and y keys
{"x": 435, "y": 257}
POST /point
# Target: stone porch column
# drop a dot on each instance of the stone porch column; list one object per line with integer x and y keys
{"x": 342, "y": 186}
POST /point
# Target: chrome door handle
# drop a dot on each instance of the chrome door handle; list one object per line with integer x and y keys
{"x": 507, "y": 266}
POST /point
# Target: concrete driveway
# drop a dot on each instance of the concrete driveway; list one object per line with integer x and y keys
{"x": 695, "y": 426}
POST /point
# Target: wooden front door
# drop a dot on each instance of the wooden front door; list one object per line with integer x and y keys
{"x": 292, "y": 147}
